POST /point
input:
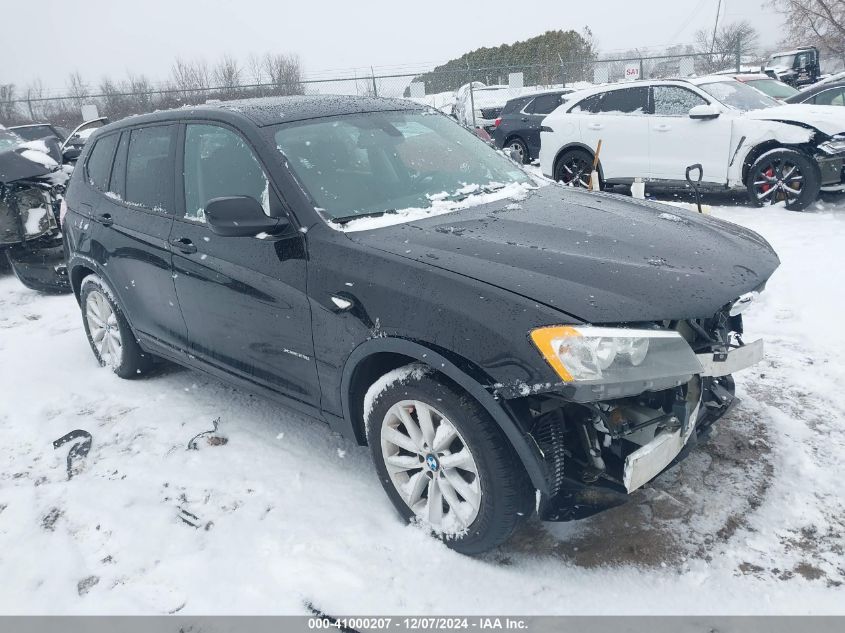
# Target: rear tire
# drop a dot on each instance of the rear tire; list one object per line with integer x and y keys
{"x": 471, "y": 490}
{"x": 573, "y": 168}
{"x": 521, "y": 149}
{"x": 783, "y": 175}
{"x": 111, "y": 339}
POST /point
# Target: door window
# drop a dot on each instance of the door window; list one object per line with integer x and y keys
{"x": 675, "y": 101}
{"x": 624, "y": 101}
{"x": 219, "y": 163}
{"x": 544, "y": 104}
{"x": 834, "y": 96}
{"x": 149, "y": 167}
{"x": 100, "y": 161}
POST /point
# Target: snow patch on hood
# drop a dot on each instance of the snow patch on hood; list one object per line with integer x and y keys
{"x": 827, "y": 119}
{"x": 37, "y": 156}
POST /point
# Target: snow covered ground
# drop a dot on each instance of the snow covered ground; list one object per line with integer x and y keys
{"x": 275, "y": 511}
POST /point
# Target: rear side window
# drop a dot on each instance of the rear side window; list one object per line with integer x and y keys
{"x": 624, "y": 101}
{"x": 590, "y": 104}
{"x": 675, "y": 101}
{"x": 149, "y": 167}
{"x": 514, "y": 105}
{"x": 544, "y": 104}
{"x": 219, "y": 163}
{"x": 99, "y": 162}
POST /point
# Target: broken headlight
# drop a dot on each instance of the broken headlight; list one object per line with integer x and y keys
{"x": 836, "y": 145}
{"x": 599, "y": 355}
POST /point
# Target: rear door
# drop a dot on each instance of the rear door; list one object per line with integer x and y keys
{"x": 677, "y": 141}
{"x": 532, "y": 119}
{"x": 618, "y": 119}
{"x": 244, "y": 298}
{"x": 135, "y": 219}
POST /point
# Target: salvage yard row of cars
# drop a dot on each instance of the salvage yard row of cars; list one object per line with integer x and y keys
{"x": 653, "y": 130}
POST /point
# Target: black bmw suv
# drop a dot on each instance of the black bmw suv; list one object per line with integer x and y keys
{"x": 504, "y": 346}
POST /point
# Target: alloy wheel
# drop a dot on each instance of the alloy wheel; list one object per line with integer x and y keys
{"x": 575, "y": 172}
{"x": 778, "y": 180}
{"x": 517, "y": 147}
{"x": 104, "y": 328}
{"x": 431, "y": 466}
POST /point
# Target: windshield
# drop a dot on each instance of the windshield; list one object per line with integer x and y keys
{"x": 35, "y": 132}
{"x": 781, "y": 61}
{"x": 383, "y": 162}
{"x": 739, "y": 96}
{"x": 9, "y": 139}
{"x": 773, "y": 88}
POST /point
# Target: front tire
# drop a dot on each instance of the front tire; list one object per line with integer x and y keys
{"x": 573, "y": 168}
{"x": 444, "y": 462}
{"x": 111, "y": 339}
{"x": 783, "y": 175}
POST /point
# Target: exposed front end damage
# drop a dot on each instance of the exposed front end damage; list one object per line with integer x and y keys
{"x": 597, "y": 452}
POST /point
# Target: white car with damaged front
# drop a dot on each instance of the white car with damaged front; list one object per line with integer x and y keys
{"x": 654, "y": 130}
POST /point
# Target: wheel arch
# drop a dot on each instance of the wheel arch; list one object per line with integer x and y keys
{"x": 376, "y": 357}
{"x": 766, "y": 146}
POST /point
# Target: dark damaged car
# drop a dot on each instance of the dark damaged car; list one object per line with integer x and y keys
{"x": 504, "y": 346}
{"x": 33, "y": 177}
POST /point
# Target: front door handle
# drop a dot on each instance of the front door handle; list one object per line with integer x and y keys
{"x": 524, "y": 119}
{"x": 184, "y": 245}
{"x": 663, "y": 127}
{"x": 595, "y": 126}
{"x": 105, "y": 219}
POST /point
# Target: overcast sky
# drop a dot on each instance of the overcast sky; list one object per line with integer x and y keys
{"x": 52, "y": 38}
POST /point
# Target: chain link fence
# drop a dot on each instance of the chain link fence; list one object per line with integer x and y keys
{"x": 484, "y": 89}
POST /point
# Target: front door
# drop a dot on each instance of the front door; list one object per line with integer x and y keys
{"x": 676, "y": 141}
{"x": 243, "y": 298}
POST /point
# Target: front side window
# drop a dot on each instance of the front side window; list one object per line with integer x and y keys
{"x": 383, "y": 162}
{"x": 219, "y": 163}
{"x": 100, "y": 161}
{"x": 675, "y": 101}
{"x": 738, "y": 96}
{"x": 149, "y": 167}
{"x": 834, "y": 97}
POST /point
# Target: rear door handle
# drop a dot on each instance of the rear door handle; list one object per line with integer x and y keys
{"x": 105, "y": 219}
{"x": 595, "y": 126}
{"x": 524, "y": 119}
{"x": 184, "y": 245}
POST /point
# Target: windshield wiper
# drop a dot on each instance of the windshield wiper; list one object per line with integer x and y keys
{"x": 463, "y": 195}
{"x": 370, "y": 214}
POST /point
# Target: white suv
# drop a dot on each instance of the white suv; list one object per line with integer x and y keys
{"x": 741, "y": 138}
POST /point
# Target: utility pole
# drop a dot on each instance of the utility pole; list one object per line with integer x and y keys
{"x": 716, "y": 26}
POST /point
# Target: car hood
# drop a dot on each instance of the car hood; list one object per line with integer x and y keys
{"x": 25, "y": 162}
{"x": 828, "y": 119}
{"x": 600, "y": 258}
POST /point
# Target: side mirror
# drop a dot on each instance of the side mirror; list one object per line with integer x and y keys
{"x": 704, "y": 111}
{"x": 240, "y": 216}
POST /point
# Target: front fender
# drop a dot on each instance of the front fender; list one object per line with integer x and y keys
{"x": 522, "y": 443}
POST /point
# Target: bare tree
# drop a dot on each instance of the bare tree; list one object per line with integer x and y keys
{"x": 77, "y": 89}
{"x": 8, "y": 111}
{"x": 141, "y": 99}
{"x": 817, "y": 22}
{"x": 284, "y": 72}
{"x": 736, "y": 38}
{"x": 33, "y": 95}
{"x": 226, "y": 75}
{"x": 191, "y": 79}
